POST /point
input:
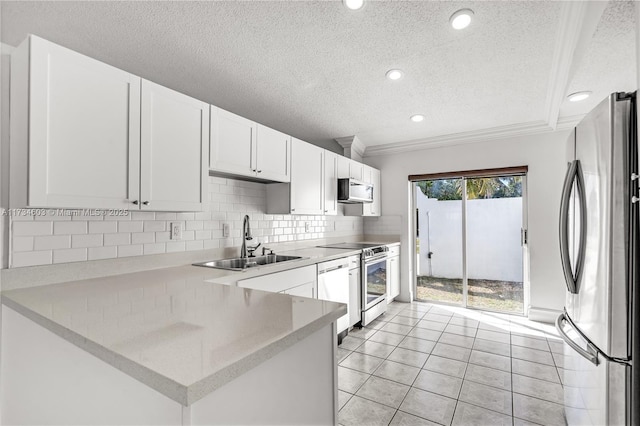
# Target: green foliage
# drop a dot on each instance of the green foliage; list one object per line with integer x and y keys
{"x": 451, "y": 189}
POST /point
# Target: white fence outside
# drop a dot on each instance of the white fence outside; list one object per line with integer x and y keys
{"x": 494, "y": 250}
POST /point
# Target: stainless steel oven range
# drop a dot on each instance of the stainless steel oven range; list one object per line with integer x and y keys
{"x": 373, "y": 278}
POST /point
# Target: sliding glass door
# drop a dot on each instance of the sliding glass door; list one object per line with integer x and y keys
{"x": 470, "y": 239}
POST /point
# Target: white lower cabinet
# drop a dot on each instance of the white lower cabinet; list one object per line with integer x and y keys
{"x": 46, "y": 380}
{"x": 393, "y": 271}
{"x": 299, "y": 280}
{"x": 304, "y": 290}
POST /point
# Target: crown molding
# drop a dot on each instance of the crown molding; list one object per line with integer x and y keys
{"x": 501, "y": 132}
{"x": 578, "y": 23}
{"x": 352, "y": 144}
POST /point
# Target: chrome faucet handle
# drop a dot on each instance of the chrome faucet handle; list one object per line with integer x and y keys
{"x": 251, "y": 249}
{"x": 264, "y": 249}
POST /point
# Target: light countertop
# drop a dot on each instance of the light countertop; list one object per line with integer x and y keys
{"x": 178, "y": 330}
{"x": 170, "y": 328}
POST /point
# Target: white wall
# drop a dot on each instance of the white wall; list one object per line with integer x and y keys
{"x": 494, "y": 250}
{"x": 545, "y": 156}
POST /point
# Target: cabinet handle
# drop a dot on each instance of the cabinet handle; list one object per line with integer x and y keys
{"x": 259, "y": 171}
{"x": 136, "y": 202}
{"x": 326, "y": 211}
{"x": 293, "y": 210}
{"x": 146, "y": 203}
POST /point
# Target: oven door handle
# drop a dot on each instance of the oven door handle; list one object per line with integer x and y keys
{"x": 375, "y": 259}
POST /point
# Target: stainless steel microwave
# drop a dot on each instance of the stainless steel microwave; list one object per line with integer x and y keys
{"x": 351, "y": 191}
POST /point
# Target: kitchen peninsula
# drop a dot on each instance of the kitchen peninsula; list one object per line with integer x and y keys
{"x": 167, "y": 347}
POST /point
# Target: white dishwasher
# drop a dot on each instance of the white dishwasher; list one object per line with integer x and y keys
{"x": 333, "y": 285}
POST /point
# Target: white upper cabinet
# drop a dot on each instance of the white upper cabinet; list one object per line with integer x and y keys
{"x": 305, "y": 193}
{"x": 272, "y": 155}
{"x": 82, "y": 136}
{"x": 75, "y": 130}
{"x": 306, "y": 178}
{"x": 343, "y": 167}
{"x": 233, "y": 142}
{"x": 375, "y": 207}
{"x": 356, "y": 170}
{"x": 174, "y": 150}
{"x": 242, "y": 147}
{"x": 330, "y": 185}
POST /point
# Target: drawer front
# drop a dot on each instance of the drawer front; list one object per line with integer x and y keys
{"x": 354, "y": 262}
{"x": 281, "y": 281}
{"x": 394, "y": 251}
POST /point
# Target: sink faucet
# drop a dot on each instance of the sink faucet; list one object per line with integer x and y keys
{"x": 246, "y": 236}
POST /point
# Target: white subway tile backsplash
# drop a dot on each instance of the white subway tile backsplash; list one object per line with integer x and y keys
{"x": 154, "y": 226}
{"x": 52, "y": 242}
{"x": 133, "y": 226}
{"x": 107, "y": 252}
{"x": 70, "y": 255}
{"x": 117, "y": 239}
{"x": 143, "y": 215}
{"x": 102, "y": 227}
{"x": 154, "y": 248}
{"x": 165, "y": 216}
{"x": 141, "y": 232}
{"x": 31, "y": 258}
{"x": 22, "y": 244}
{"x": 69, "y": 228}
{"x": 32, "y": 228}
{"x": 143, "y": 237}
{"x": 89, "y": 240}
{"x": 131, "y": 250}
{"x": 194, "y": 245}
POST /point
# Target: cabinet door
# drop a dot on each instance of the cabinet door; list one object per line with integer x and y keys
{"x": 343, "y": 167}
{"x": 356, "y": 170}
{"x": 306, "y": 178}
{"x": 366, "y": 177}
{"x": 393, "y": 269}
{"x": 304, "y": 290}
{"x": 273, "y": 155}
{"x": 355, "y": 292}
{"x": 84, "y": 130}
{"x": 330, "y": 187}
{"x": 233, "y": 143}
{"x": 174, "y": 149}
{"x": 375, "y": 207}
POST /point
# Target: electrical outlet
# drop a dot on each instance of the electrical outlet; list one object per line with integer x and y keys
{"x": 176, "y": 231}
{"x": 307, "y": 226}
{"x": 225, "y": 230}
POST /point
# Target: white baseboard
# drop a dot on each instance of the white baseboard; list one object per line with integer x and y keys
{"x": 543, "y": 314}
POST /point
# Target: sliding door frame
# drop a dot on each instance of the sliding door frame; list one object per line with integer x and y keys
{"x": 465, "y": 175}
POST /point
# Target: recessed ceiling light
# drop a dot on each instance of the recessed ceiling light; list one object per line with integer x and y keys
{"x": 417, "y": 118}
{"x": 353, "y": 4}
{"x": 579, "y": 96}
{"x": 394, "y": 74}
{"x": 461, "y": 19}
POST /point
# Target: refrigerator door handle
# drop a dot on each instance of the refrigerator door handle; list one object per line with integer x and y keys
{"x": 582, "y": 196}
{"x": 590, "y": 353}
{"x": 574, "y": 174}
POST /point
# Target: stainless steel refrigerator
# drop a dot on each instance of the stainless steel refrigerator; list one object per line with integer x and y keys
{"x": 599, "y": 253}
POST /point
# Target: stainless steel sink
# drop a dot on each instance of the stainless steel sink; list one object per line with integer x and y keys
{"x": 240, "y": 264}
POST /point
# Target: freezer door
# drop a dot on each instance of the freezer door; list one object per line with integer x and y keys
{"x": 594, "y": 393}
{"x": 599, "y": 308}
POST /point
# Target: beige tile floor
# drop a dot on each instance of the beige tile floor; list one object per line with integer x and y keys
{"x": 427, "y": 364}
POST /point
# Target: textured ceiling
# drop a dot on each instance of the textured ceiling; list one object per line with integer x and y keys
{"x": 609, "y": 64}
{"x": 316, "y": 70}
